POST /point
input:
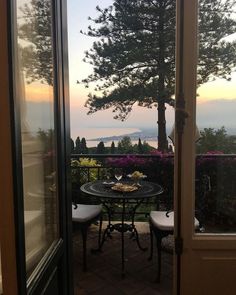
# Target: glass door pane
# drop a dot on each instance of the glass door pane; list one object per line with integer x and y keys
{"x": 35, "y": 89}
{"x": 216, "y": 105}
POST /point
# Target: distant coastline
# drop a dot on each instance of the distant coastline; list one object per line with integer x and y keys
{"x": 144, "y": 135}
{"x": 95, "y": 135}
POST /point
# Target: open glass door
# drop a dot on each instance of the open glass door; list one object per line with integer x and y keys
{"x": 204, "y": 182}
{"x": 37, "y": 64}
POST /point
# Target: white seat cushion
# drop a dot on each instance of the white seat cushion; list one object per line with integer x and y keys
{"x": 84, "y": 213}
{"x": 162, "y": 222}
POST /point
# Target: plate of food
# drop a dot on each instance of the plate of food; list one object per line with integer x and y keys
{"x": 122, "y": 187}
{"x": 136, "y": 175}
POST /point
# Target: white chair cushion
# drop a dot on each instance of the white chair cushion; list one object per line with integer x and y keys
{"x": 162, "y": 222}
{"x": 84, "y": 213}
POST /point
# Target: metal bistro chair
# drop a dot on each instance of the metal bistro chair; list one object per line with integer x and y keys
{"x": 82, "y": 217}
{"x": 162, "y": 222}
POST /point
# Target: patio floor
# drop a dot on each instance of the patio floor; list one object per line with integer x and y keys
{"x": 104, "y": 269}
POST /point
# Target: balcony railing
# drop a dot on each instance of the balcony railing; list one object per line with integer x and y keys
{"x": 218, "y": 204}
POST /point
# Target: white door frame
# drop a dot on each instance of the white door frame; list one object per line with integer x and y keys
{"x": 208, "y": 261}
{"x": 186, "y": 42}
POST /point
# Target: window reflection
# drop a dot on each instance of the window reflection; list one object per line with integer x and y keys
{"x": 36, "y": 95}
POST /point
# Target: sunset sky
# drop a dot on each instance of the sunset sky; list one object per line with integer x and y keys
{"x": 216, "y": 100}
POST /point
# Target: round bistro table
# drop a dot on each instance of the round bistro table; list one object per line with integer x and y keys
{"x": 129, "y": 203}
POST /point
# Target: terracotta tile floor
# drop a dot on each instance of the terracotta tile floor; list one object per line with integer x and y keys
{"x": 104, "y": 269}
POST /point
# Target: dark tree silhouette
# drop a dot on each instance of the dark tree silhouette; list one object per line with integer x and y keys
{"x": 83, "y": 146}
{"x": 213, "y": 140}
{"x": 134, "y": 59}
{"x": 36, "y": 29}
{"x": 72, "y": 146}
{"x": 113, "y": 148}
{"x": 140, "y": 146}
{"x": 100, "y": 148}
{"x": 77, "y": 145}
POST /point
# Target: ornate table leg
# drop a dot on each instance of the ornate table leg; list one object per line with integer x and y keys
{"x": 121, "y": 227}
{"x": 108, "y": 230}
{"x": 122, "y": 238}
{"x": 134, "y": 232}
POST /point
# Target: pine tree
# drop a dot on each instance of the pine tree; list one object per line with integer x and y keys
{"x": 72, "y": 146}
{"x": 77, "y": 146}
{"x": 83, "y": 146}
{"x": 113, "y": 148}
{"x": 100, "y": 148}
{"x": 134, "y": 58}
{"x": 140, "y": 146}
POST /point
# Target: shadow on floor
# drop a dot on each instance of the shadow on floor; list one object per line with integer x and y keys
{"x": 104, "y": 269}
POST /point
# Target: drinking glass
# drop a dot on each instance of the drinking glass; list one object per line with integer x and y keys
{"x": 107, "y": 174}
{"x": 118, "y": 174}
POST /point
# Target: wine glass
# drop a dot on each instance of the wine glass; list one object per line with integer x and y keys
{"x": 107, "y": 174}
{"x": 118, "y": 174}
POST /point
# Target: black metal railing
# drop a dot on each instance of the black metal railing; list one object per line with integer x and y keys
{"x": 220, "y": 201}
{"x": 97, "y": 166}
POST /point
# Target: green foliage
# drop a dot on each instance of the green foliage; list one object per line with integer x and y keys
{"x": 142, "y": 148}
{"x": 146, "y": 148}
{"x": 125, "y": 145}
{"x": 216, "y": 140}
{"x": 80, "y": 176}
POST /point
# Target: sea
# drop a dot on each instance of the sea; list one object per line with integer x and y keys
{"x": 91, "y": 133}
{"x": 151, "y": 138}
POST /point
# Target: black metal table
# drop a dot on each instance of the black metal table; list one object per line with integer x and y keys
{"x": 129, "y": 202}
